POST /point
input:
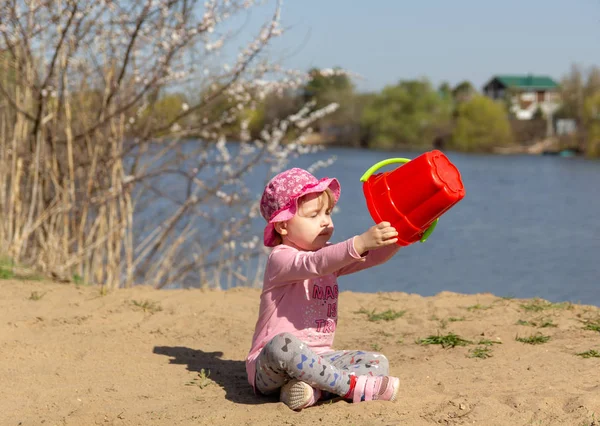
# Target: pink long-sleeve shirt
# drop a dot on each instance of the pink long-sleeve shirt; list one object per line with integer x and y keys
{"x": 300, "y": 294}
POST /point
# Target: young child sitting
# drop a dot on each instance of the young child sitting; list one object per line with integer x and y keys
{"x": 292, "y": 345}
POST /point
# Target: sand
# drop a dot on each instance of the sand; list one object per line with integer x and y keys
{"x": 73, "y": 356}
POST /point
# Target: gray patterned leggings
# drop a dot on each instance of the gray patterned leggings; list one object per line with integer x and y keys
{"x": 286, "y": 357}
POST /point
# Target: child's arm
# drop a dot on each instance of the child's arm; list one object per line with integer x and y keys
{"x": 371, "y": 258}
{"x": 289, "y": 264}
{"x": 378, "y": 244}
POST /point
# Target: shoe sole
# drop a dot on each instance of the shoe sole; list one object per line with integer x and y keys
{"x": 396, "y": 389}
{"x": 296, "y": 394}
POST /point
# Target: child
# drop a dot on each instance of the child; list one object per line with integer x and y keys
{"x": 291, "y": 348}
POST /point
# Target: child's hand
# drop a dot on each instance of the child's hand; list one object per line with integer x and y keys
{"x": 381, "y": 235}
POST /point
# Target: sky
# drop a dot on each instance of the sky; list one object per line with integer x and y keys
{"x": 385, "y": 41}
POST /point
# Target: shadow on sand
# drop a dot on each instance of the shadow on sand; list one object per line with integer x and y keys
{"x": 229, "y": 374}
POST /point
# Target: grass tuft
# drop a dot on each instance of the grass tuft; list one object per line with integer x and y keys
{"x": 7, "y": 267}
{"x": 538, "y": 305}
{"x": 536, "y": 339}
{"x": 36, "y": 295}
{"x": 541, "y": 323}
{"x": 78, "y": 280}
{"x": 376, "y": 347}
{"x": 449, "y": 340}
{"x": 10, "y": 270}
{"x": 202, "y": 380}
{"x": 589, "y": 354}
{"x": 593, "y": 325}
{"x": 480, "y": 352}
{"x": 6, "y": 274}
{"x": 388, "y": 315}
{"x": 547, "y": 324}
{"x": 478, "y": 307}
{"x": 147, "y": 306}
{"x": 488, "y": 342}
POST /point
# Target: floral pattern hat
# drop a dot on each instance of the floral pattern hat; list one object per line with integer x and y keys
{"x": 279, "y": 201}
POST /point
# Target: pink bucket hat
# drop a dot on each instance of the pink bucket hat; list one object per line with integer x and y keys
{"x": 279, "y": 201}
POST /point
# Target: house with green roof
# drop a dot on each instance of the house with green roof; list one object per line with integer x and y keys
{"x": 526, "y": 93}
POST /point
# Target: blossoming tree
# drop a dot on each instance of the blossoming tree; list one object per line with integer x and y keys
{"x": 97, "y": 180}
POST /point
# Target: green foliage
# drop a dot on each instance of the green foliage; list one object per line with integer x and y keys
{"x": 257, "y": 120}
{"x": 161, "y": 111}
{"x": 272, "y": 109}
{"x": 580, "y": 95}
{"x": 463, "y": 91}
{"x": 409, "y": 113}
{"x": 538, "y": 114}
{"x": 343, "y": 125}
{"x": 481, "y": 124}
{"x": 573, "y": 92}
{"x": 168, "y": 107}
{"x": 445, "y": 90}
{"x": 322, "y": 87}
{"x": 592, "y": 122}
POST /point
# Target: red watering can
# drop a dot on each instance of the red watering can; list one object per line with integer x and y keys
{"x": 413, "y": 196}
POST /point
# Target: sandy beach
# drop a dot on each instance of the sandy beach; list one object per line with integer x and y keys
{"x": 74, "y": 356}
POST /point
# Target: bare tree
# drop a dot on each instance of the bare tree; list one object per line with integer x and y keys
{"x": 97, "y": 178}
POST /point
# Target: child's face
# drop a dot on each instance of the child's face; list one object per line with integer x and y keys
{"x": 311, "y": 227}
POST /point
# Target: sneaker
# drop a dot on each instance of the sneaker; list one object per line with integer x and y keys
{"x": 298, "y": 395}
{"x": 376, "y": 388}
{"x": 388, "y": 388}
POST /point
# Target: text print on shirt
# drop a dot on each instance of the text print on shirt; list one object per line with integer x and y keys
{"x": 328, "y": 295}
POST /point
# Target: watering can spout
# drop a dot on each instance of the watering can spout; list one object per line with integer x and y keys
{"x": 413, "y": 196}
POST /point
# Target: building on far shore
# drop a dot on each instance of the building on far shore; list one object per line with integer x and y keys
{"x": 526, "y": 94}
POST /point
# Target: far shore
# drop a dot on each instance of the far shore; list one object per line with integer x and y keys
{"x": 548, "y": 146}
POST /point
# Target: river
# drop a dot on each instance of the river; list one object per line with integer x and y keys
{"x": 528, "y": 226}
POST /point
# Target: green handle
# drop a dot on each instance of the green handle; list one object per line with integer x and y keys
{"x": 429, "y": 230}
{"x": 379, "y": 165}
{"x": 383, "y": 163}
